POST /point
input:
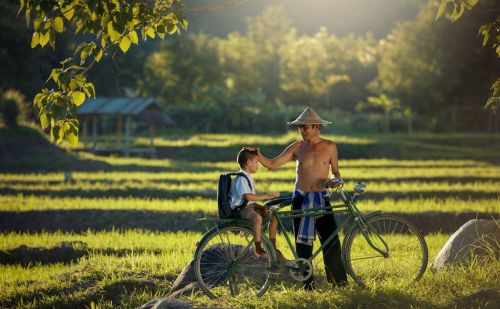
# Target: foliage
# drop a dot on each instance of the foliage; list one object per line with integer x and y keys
{"x": 271, "y": 61}
{"x": 489, "y": 31}
{"x": 13, "y": 108}
{"x": 109, "y": 25}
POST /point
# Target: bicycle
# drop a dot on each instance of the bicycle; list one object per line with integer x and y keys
{"x": 377, "y": 249}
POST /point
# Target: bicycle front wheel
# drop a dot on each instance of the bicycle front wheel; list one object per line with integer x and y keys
{"x": 401, "y": 257}
{"x": 225, "y": 264}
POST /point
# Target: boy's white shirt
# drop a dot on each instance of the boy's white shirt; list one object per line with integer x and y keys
{"x": 239, "y": 187}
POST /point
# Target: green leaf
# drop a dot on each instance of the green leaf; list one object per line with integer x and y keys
{"x": 133, "y": 37}
{"x": 36, "y": 23}
{"x": 441, "y": 8}
{"x": 44, "y": 38}
{"x": 35, "y": 40}
{"x": 72, "y": 138}
{"x": 458, "y": 10}
{"x": 184, "y": 23}
{"x": 98, "y": 54}
{"x": 485, "y": 31}
{"x": 172, "y": 28}
{"x": 54, "y": 133}
{"x": 125, "y": 44}
{"x": 113, "y": 34}
{"x": 150, "y": 32}
{"x": 58, "y": 24}
{"x": 44, "y": 122}
{"x": 470, "y": 3}
{"x": 78, "y": 98}
{"x": 52, "y": 39}
{"x": 68, "y": 12}
{"x": 89, "y": 90}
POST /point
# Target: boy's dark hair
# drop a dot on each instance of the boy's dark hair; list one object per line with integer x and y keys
{"x": 244, "y": 155}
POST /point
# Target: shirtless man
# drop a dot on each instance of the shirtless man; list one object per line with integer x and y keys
{"x": 315, "y": 157}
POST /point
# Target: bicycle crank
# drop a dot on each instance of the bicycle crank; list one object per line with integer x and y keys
{"x": 300, "y": 269}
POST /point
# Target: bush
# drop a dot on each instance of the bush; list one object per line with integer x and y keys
{"x": 12, "y": 108}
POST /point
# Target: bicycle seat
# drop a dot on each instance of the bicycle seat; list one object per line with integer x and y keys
{"x": 284, "y": 200}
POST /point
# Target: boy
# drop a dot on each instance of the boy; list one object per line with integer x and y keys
{"x": 243, "y": 196}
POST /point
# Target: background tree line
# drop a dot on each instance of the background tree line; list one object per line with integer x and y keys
{"x": 423, "y": 75}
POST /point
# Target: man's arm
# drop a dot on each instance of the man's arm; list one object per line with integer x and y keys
{"x": 334, "y": 160}
{"x": 286, "y": 156}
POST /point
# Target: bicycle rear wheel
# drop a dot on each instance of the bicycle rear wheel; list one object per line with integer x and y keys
{"x": 225, "y": 264}
{"x": 404, "y": 252}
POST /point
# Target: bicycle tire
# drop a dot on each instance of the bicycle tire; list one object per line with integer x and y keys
{"x": 405, "y": 263}
{"x": 217, "y": 273}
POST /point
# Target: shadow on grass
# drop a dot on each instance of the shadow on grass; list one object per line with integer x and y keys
{"x": 106, "y": 220}
{"x": 101, "y": 220}
{"x": 267, "y": 181}
{"x": 383, "y": 298}
{"x": 78, "y": 289}
{"x": 65, "y": 252}
{"x": 212, "y": 194}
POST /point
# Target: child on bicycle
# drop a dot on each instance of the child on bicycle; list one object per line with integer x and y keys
{"x": 243, "y": 197}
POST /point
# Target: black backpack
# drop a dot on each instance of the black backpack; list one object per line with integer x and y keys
{"x": 223, "y": 201}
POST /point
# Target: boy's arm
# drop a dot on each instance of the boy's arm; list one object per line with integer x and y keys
{"x": 260, "y": 197}
{"x": 286, "y": 156}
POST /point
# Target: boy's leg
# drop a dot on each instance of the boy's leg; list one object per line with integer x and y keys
{"x": 273, "y": 228}
{"x": 250, "y": 213}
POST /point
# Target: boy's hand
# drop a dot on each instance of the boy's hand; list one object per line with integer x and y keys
{"x": 275, "y": 194}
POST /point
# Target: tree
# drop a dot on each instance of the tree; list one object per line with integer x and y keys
{"x": 453, "y": 10}
{"x": 108, "y": 26}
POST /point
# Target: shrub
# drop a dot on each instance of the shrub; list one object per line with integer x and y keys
{"x": 12, "y": 108}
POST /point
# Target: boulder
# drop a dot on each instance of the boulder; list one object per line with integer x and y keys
{"x": 476, "y": 239}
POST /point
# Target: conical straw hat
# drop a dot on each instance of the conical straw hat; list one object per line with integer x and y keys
{"x": 308, "y": 116}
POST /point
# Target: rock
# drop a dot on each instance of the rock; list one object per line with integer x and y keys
{"x": 475, "y": 239}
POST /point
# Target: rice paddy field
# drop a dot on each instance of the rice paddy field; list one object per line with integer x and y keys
{"x": 119, "y": 231}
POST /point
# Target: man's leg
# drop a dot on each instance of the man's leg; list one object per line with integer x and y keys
{"x": 332, "y": 252}
{"x": 303, "y": 251}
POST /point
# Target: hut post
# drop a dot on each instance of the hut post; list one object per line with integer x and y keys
{"x": 94, "y": 131}
{"x": 119, "y": 128}
{"x": 127, "y": 136}
{"x": 85, "y": 130}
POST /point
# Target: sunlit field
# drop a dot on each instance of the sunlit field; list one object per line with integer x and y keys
{"x": 120, "y": 236}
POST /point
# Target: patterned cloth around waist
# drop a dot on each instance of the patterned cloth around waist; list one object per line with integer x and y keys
{"x": 307, "y": 231}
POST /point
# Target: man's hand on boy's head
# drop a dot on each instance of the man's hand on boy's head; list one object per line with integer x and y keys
{"x": 256, "y": 149}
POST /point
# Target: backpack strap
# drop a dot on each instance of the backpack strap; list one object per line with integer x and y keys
{"x": 245, "y": 202}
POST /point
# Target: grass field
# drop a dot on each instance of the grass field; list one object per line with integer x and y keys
{"x": 122, "y": 229}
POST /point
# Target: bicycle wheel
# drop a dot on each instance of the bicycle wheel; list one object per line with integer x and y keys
{"x": 225, "y": 264}
{"x": 403, "y": 259}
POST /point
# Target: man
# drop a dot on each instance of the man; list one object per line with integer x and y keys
{"x": 315, "y": 157}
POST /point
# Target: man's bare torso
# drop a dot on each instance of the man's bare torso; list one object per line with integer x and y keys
{"x": 313, "y": 164}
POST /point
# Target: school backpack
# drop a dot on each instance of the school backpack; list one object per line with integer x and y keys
{"x": 223, "y": 202}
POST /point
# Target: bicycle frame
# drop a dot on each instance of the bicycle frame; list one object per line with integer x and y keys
{"x": 348, "y": 207}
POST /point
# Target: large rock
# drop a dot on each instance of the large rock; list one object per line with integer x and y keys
{"x": 475, "y": 239}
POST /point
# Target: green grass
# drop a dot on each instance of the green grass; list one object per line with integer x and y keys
{"x": 136, "y": 216}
